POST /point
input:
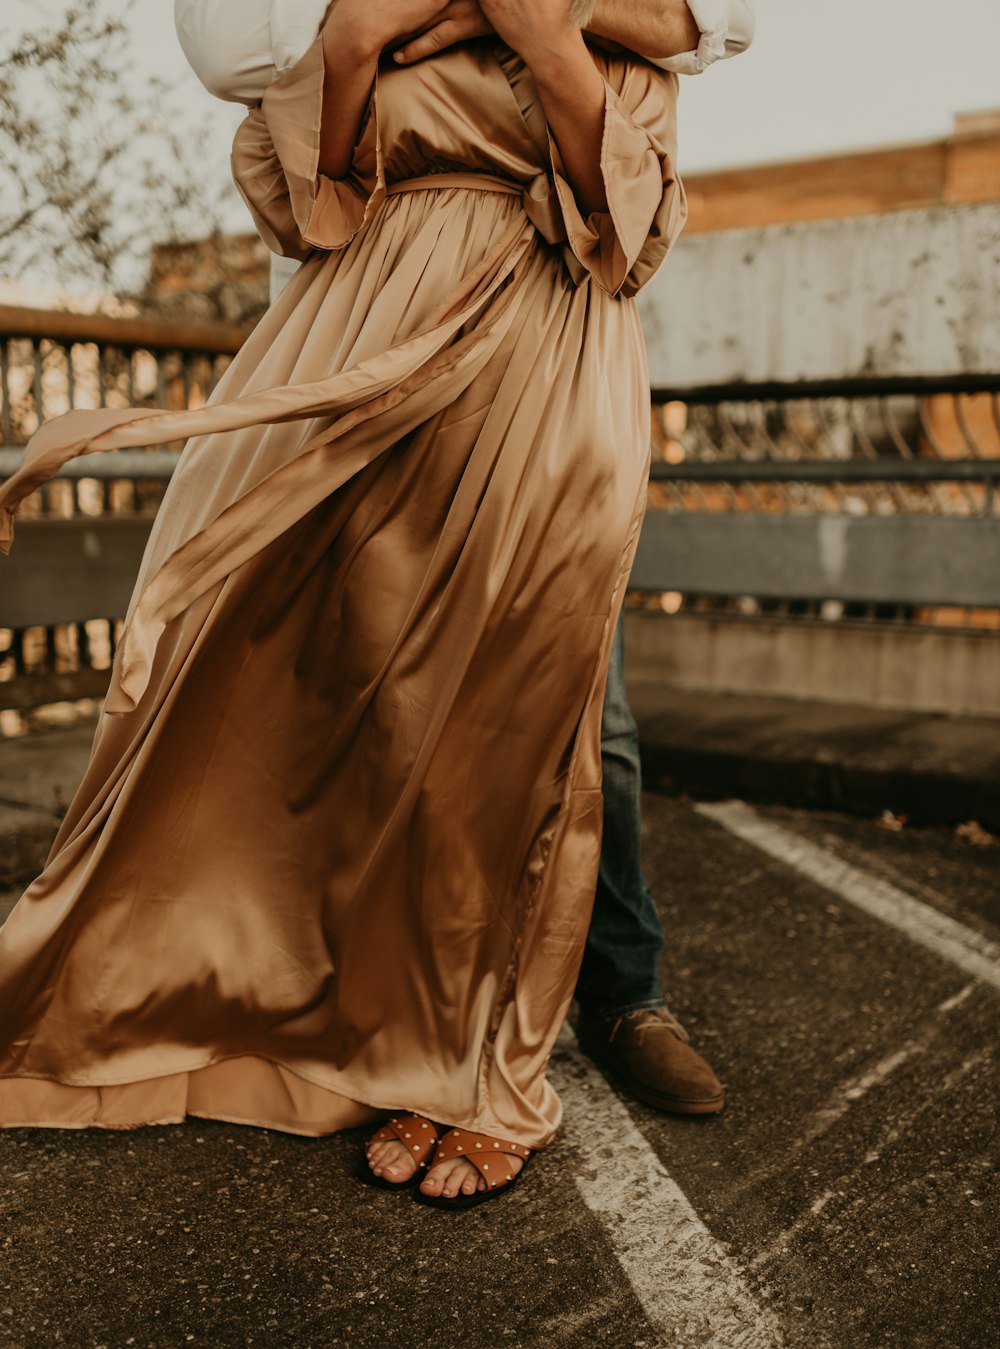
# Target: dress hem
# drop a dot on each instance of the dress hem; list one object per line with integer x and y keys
{"x": 243, "y": 1089}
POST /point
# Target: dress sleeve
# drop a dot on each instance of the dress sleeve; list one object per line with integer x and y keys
{"x": 275, "y": 157}
{"x": 622, "y": 247}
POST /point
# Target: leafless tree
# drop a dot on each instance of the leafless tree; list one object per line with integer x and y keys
{"x": 94, "y": 168}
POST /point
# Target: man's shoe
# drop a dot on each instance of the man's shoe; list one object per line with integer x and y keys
{"x": 649, "y": 1051}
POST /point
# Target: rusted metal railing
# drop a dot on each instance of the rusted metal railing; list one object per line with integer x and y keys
{"x": 896, "y": 462}
{"x": 52, "y": 362}
{"x": 749, "y": 486}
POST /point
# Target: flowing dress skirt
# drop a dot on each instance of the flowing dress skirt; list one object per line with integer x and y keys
{"x": 336, "y": 846}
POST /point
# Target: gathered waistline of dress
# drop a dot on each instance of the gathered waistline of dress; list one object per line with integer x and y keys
{"x": 475, "y": 182}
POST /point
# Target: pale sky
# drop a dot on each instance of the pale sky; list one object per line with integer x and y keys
{"x": 818, "y": 77}
{"x": 837, "y": 76}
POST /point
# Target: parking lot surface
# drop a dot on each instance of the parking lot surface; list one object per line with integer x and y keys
{"x": 844, "y": 1198}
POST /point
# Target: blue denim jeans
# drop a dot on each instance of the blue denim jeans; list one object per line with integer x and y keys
{"x": 620, "y": 970}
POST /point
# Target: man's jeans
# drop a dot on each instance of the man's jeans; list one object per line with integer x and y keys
{"x": 620, "y": 970}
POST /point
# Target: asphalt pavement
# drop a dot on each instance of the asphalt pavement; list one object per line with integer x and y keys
{"x": 841, "y": 972}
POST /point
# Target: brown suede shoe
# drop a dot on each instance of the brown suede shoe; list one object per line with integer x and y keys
{"x": 649, "y": 1051}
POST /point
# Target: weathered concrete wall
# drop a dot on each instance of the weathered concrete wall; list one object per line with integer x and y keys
{"x": 908, "y": 293}
{"x": 913, "y": 669}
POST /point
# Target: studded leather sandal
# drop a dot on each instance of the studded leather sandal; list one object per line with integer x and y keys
{"x": 417, "y": 1134}
{"x": 490, "y": 1157}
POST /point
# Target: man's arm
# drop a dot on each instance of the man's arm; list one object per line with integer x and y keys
{"x": 682, "y": 35}
{"x": 725, "y": 28}
{"x": 651, "y": 27}
{"x": 238, "y": 60}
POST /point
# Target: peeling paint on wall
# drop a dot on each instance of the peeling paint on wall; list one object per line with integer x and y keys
{"x": 909, "y": 293}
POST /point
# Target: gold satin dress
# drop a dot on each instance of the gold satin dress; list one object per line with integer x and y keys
{"x": 336, "y": 848}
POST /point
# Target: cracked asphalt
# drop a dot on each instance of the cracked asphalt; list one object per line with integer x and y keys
{"x": 850, "y": 1183}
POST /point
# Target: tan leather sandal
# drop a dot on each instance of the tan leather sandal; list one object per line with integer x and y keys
{"x": 490, "y": 1156}
{"x": 417, "y": 1134}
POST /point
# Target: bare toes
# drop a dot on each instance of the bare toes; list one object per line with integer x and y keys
{"x": 392, "y": 1160}
{"x": 441, "y": 1179}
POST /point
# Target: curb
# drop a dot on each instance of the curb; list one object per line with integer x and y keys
{"x": 932, "y": 768}
{"x": 815, "y": 783}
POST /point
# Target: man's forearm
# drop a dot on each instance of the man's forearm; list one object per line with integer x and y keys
{"x": 654, "y": 28}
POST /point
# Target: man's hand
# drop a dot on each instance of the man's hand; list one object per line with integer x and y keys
{"x": 542, "y": 26}
{"x": 458, "y": 21}
{"x": 363, "y": 27}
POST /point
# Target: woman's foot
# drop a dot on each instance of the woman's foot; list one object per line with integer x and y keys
{"x": 402, "y": 1147}
{"x": 393, "y": 1162}
{"x": 406, "y": 1144}
{"x": 469, "y": 1168}
{"x": 450, "y": 1178}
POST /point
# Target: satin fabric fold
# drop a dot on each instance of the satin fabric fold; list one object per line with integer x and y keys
{"x": 386, "y": 396}
{"x": 336, "y": 849}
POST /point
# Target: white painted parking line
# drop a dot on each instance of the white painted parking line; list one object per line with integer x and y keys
{"x": 963, "y": 946}
{"x": 690, "y": 1290}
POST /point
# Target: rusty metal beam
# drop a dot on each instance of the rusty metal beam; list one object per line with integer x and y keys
{"x": 152, "y": 334}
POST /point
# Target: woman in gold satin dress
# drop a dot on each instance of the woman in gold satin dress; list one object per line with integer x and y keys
{"x": 335, "y": 850}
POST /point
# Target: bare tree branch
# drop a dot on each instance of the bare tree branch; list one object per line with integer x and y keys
{"x": 94, "y": 170}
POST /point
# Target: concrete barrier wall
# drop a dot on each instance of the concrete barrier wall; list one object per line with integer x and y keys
{"x": 910, "y": 293}
{"x": 912, "y": 669}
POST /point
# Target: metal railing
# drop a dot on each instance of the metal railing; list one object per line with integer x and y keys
{"x": 745, "y": 479}
{"x": 52, "y": 362}
{"x": 904, "y": 459}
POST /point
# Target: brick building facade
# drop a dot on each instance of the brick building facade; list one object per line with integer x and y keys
{"x": 962, "y": 168}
